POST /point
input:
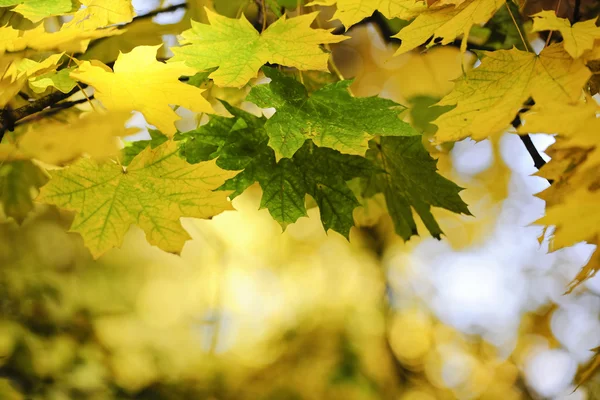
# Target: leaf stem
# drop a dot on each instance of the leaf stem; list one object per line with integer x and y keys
{"x": 264, "y": 15}
{"x": 525, "y": 44}
{"x": 550, "y": 34}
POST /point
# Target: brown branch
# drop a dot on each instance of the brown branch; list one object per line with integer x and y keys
{"x": 154, "y": 13}
{"x": 538, "y": 160}
{"x": 9, "y": 117}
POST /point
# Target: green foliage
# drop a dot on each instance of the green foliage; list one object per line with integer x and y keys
{"x": 330, "y": 116}
{"x": 17, "y": 180}
{"x": 410, "y": 181}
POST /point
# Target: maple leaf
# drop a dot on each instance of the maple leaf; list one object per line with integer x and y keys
{"x": 573, "y": 197}
{"x": 36, "y": 10}
{"x": 132, "y": 149}
{"x": 577, "y": 38}
{"x": 101, "y": 13}
{"x": 72, "y": 134}
{"x": 349, "y": 12}
{"x": 241, "y": 142}
{"x": 56, "y": 79}
{"x": 153, "y": 192}
{"x": 140, "y": 82}
{"x": 488, "y": 98}
{"x": 238, "y": 50}
{"x": 17, "y": 181}
{"x": 577, "y": 125}
{"x": 17, "y": 72}
{"x": 330, "y": 116}
{"x": 446, "y": 23}
{"x": 410, "y": 182}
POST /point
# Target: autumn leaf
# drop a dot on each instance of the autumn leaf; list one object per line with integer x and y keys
{"x": 410, "y": 182}
{"x": 100, "y": 13}
{"x": 56, "y": 79}
{"x": 241, "y": 142}
{"x": 447, "y": 23}
{"x": 239, "y": 50}
{"x": 18, "y": 72}
{"x": 488, "y": 98}
{"x": 132, "y": 149}
{"x": 572, "y": 199}
{"x": 153, "y": 192}
{"x": 330, "y": 116}
{"x": 577, "y": 38}
{"x": 18, "y": 180}
{"x": 36, "y": 10}
{"x": 140, "y": 82}
{"x": 577, "y": 125}
{"x": 71, "y": 135}
{"x": 71, "y": 40}
{"x": 350, "y": 12}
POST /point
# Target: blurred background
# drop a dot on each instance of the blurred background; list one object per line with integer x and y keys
{"x": 249, "y": 312}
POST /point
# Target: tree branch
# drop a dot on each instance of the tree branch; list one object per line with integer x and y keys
{"x": 538, "y": 160}
{"x": 10, "y": 117}
{"x": 154, "y": 13}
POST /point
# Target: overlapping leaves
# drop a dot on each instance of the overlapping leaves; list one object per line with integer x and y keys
{"x": 330, "y": 116}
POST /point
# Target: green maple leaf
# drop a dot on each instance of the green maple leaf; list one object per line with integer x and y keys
{"x": 17, "y": 180}
{"x": 241, "y": 142}
{"x": 330, "y": 116}
{"x": 153, "y": 192}
{"x": 410, "y": 181}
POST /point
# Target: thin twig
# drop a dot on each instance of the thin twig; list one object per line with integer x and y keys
{"x": 517, "y": 26}
{"x": 264, "y": 15}
{"x": 550, "y": 34}
{"x": 154, "y": 13}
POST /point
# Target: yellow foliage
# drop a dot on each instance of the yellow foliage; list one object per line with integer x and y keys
{"x": 577, "y": 38}
{"x": 140, "y": 82}
{"x": 573, "y": 197}
{"x": 68, "y": 40}
{"x": 15, "y": 75}
{"x": 100, "y": 13}
{"x": 488, "y": 98}
{"x": 67, "y": 137}
{"x": 446, "y": 23}
{"x": 349, "y": 12}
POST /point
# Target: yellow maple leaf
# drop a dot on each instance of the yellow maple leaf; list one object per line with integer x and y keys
{"x": 447, "y": 23}
{"x": 154, "y": 192}
{"x": 70, "y": 135}
{"x": 577, "y": 38}
{"x": 140, "y": 82}
{"x": 577, "y": 125}
{"x": 488, "y": 98}
{"x": 349, "y": 12}
{"x": 238, "y": 50}
{"x": 71, "y": 40}
{"x": 17, "y": 72}
{"x": 101, "y": 13}
{"x": 573, "y": 197}
{"x": 576, "y": 219}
